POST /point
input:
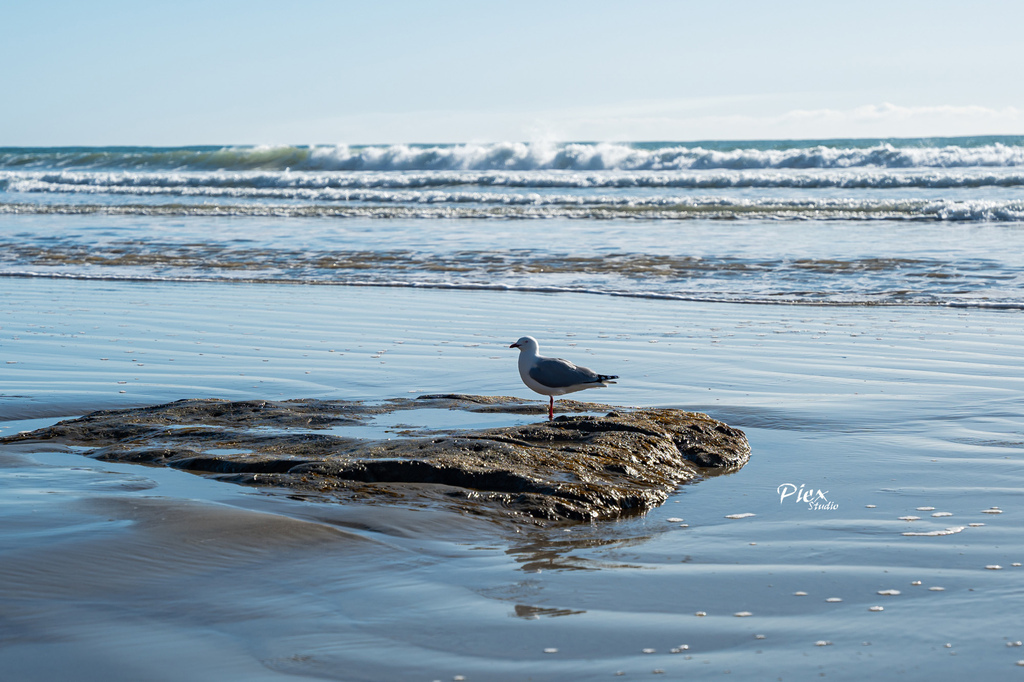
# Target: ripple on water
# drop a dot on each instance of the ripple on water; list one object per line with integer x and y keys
{"x": 936, "y": 533}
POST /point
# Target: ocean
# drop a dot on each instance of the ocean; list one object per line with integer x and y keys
{"x": 852, "y": 305}
{"x": 907, "y": 222}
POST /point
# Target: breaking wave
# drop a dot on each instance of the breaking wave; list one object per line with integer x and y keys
{"x": 990, "y": 152}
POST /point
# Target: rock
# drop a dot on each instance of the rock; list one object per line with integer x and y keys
{"x": 578, "y": 467}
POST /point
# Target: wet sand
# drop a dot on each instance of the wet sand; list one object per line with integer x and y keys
{"x": 115, "y": 571}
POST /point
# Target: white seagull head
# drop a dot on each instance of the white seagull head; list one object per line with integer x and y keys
{"x": 526, "y": 343}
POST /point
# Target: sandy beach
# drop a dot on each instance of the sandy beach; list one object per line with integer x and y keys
{"x": 904, "y": 419}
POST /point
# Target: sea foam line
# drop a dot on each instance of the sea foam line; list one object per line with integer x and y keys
{"x": 783, "y": 299}
{"x": 580, "y": 209}
{"x": 262, "y": 184}
{"x": 787, "y": 299}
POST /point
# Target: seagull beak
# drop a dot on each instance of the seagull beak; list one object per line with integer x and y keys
{"x": 514, "y": 345}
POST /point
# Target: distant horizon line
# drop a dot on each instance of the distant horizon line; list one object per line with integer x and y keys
{"x": 738, "y": 140}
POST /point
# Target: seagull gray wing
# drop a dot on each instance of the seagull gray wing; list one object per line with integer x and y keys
{"x": 558, "y": 373}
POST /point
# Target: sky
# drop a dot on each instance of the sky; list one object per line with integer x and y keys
{"x": 335, "y": 72}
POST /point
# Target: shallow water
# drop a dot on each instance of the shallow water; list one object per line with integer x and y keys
{"x": 888, "y": 411}
{"x": 818, "y": 262}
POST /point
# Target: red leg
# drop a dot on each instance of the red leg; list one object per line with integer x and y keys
{"x": 551, "y": 407}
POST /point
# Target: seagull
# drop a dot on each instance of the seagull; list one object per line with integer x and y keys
{"x": 554, "y": 376}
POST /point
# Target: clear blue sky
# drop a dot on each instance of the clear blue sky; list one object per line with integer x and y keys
{"x": 254, "y": 72}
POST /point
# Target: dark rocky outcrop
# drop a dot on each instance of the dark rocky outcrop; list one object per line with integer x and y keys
{"x": 577, "y": 467}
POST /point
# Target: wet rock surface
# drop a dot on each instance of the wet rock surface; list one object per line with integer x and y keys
{"x": 577, "y": 467}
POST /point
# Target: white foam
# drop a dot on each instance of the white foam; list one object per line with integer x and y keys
{"x": 434, "y": 203}
{"x": 938, "y": 533}
{"x": 505, "y": 156}
{"x": 682, "y": 179}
